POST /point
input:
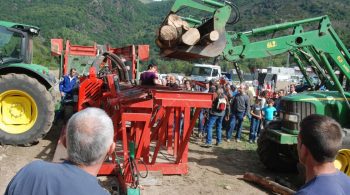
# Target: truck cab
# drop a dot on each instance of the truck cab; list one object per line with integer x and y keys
{"x": 205, "y": 72}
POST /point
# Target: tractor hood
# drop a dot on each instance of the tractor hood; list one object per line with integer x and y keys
{"x": 38, "y": 70}
{"x": 317, "y": 96}
{"x": 330, "y": 103}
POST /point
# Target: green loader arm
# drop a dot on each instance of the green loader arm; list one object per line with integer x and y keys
{"x": 321, "y": 47}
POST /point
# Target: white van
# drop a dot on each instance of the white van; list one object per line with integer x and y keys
{"x": 205, "y": 72}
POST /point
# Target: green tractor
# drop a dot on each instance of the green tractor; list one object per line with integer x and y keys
{"x": 312, "y": 43}
{"x": 26, "y": 104}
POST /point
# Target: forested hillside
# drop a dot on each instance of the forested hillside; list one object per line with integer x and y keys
{"x": 122, "y": 22}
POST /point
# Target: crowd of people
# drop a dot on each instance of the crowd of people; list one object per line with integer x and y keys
{"x": 240, "y": 102}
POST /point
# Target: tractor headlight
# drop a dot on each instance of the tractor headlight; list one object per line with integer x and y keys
{"x": 34, "y": 31}
{"x": 291, "y": 117}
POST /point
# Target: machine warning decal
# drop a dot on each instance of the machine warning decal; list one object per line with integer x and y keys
{"x": 271, "y": 44}
{"x": 340, "y": 59}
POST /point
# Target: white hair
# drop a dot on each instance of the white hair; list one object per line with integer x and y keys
{"x": 89, "y": 136}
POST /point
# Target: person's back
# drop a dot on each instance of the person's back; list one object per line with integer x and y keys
{"x": 54, "y": 178}
{"x": 335, "y": 183}
{"x": 89, "y": 140}
{"x": 147, "y": 78}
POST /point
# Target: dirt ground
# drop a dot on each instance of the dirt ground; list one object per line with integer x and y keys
{"x": 215, "y": 170}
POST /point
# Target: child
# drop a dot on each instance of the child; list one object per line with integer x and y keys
{"x": 269, "y": 112}
{"x": 255, "y": 120}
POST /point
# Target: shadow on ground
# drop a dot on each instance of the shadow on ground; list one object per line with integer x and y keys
{"x": 52, "y": 137}
{"x": 236, "y": 159}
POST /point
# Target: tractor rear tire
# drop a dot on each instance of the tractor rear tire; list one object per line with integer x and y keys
{"x": 346, "y": 138}
{"x": 18, "y": 90}
{"x": 275, "y": 156}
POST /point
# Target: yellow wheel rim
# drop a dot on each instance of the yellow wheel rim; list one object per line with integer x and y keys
{"x": 342, "y": 161}
{"x": 18, "y": 111}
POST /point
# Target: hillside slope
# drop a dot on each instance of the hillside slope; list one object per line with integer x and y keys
{"x": 122, "y": 22}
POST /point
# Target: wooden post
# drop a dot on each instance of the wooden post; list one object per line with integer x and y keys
{"x": 268, "y": 184}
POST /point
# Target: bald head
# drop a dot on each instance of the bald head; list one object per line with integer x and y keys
{"x": 172, "y": 79}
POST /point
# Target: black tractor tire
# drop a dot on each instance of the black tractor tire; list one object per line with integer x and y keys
{"x": 44, "y": 103}
{"x": 276, "y": 157}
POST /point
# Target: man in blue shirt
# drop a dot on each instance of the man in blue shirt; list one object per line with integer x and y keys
{"x": 68, "y": 82}
{"x": 89, "y": 140}
{"x": 319, "y": 140}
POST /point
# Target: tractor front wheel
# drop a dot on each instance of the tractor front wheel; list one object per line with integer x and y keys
{"x": 26, "y": 109}
{"x": 275, "y": 156}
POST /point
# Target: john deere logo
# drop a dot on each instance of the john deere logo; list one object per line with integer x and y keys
{"x": 340, "y": 59}
{"x": 271, "y": 44}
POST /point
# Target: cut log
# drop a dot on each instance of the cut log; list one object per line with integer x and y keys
{"x": 166, "y": 44}
{"x": 210, "y": 37}
{"x": 191, "y": 37}
{"x": 174, "y": 20}
{"x": 185, "y": 26}
{"x": 168, "y": 33}
{"x": 268, "y": 184}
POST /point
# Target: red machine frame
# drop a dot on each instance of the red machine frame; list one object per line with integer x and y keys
{"x": 148, "y": 117}
{"x": 77, "y": 50}
{"x": 132, "y": 53}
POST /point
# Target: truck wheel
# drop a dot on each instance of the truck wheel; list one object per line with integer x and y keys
{"x": 274, "y": 156}
{"x": 27, "y": 109}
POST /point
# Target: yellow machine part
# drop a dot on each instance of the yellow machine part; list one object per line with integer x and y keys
{"x": 342, "y": 161}
{"x": 18, "y": 111}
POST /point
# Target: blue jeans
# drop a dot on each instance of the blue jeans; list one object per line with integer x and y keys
{"x": 181, "y": 125}
{"x": 235, "y": 117}
{"x": 212, "y": 120}
{"x": 249, "y": 116}
{"x": 201, "y": 122}
{"x": 254, "y": 126}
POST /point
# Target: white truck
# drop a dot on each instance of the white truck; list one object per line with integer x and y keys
{"x": 205, "y": 72}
